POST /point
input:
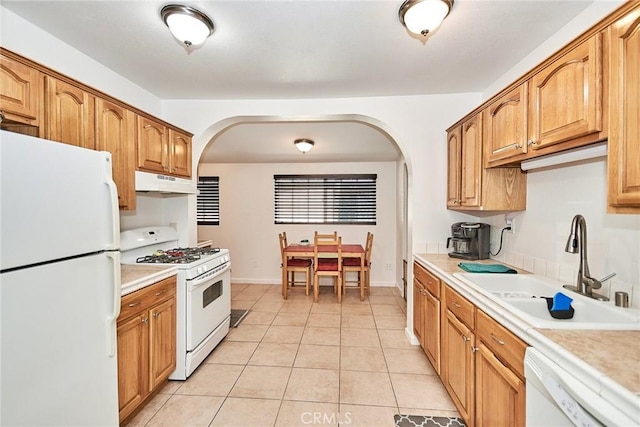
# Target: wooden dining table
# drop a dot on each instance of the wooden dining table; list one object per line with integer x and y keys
{"x": 307, "y": 251}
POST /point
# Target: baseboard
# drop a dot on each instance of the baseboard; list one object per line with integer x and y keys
{"x": 278, "y": 282}
{"x": 408, "y": 331}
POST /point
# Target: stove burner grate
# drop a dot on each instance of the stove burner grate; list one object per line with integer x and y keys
{"x": 176, "y": 256}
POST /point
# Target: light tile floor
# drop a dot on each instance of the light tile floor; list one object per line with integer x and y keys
{"x": 295, "y": 363}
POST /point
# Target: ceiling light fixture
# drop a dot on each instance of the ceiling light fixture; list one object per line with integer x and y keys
{"x": 304, "y": 145}
{"x": 423, "y": 16}
{"x": 188, "y": 25}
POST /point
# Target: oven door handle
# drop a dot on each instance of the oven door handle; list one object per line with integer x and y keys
{"x": 206, "y": 277}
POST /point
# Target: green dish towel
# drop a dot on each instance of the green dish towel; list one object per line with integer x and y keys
{"x": 473, "y": 267}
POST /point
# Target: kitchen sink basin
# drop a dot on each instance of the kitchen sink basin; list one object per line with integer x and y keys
{"x": 522, "y": 294}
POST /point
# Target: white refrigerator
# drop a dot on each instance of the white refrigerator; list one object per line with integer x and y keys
{"x": 59, "y": 284}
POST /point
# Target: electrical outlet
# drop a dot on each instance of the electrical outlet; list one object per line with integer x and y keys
{"x": 511, "y": 222}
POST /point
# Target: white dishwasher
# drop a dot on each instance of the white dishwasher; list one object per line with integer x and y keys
{"x": 557, "y": 398}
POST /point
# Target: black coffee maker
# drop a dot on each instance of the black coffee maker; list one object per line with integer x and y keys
{"x": 469, "y": 240}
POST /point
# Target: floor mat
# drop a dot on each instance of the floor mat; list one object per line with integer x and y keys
{"x": 427, "y": 421}
{"x": 237, "y": 316}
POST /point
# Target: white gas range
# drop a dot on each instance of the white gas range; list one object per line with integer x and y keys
{"x": 203, "y": 306}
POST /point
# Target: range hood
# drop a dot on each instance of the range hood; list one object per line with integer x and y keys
{"x": 592, "y": 151}
{"x": 156, "y": 183}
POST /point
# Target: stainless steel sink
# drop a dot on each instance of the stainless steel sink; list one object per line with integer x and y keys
{"x": 521, "y": 295}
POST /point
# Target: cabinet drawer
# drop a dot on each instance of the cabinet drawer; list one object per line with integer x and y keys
{"x": 508, "y": 348}
{"x": 146, "y": 297}
{"x": 460, "y": 306}
{"x": 428, "y": 280}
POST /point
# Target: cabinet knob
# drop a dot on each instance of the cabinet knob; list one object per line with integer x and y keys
{"x": 466, "y": 338}
{"x": 531, "y": 142}
{"x": 156, "y": 315}
{"x": 1, "y": 116}
{"x": 133, "y": 304}
{"x": 145, "y": 320}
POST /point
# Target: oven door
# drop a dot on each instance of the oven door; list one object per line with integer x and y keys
{"x": 208, "y": 304}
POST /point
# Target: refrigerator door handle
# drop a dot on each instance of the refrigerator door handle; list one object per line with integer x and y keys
{"x": 115, "y": 208}
{"x": 112, "y": 319}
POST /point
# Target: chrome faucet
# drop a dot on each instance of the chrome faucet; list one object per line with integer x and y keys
{"x": 577, "y": 243}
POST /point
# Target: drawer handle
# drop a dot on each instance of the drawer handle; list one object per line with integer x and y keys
{"x": 133, "y": 304}
{"x": 161, "y": 292}
{"x": 456, "y": 304}
{"x": 496, "y": 339}
{"x": 514, "y": 146}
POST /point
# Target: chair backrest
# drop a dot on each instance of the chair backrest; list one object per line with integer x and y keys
{"x": 283, "y": 244}
{"x": 318, "y": 242}
{"x": 331, "y": 237}
{"x": 368, "y": 247}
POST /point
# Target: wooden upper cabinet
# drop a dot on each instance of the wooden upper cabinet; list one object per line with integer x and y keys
{"x": 20, "y": 92}
{"x": 69, "y": 114}
{"x": 471, "y": 186}
{"x": 505, "y": 125}
{"x": 471, "y": 161}
{"x": 180, "y": 153}
{"x": 153, "y": 145}
{"x": 115, "y": 133}
{"x": 565, "y": 100}
{"x": 624, "y": 133}
{"x": 454, "y": 144}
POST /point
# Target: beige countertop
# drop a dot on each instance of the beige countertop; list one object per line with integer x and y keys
{"x": 607, "y": 356}
{"x": 134, "y": 277}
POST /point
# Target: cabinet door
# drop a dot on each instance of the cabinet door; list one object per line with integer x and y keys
{"x": 418, "y": 311}
{"x": 458, "y": 366}
{"x": 115, "y": 133}
{"x": 432, "y": 329}
{"x": 20, "y": 89}
{"x": 153, "y": 146}
{"x": 162, "y": 342}
{"x": 624, "y": 134}
{"x": 505, "y": 125}
{"x": 454, "y": 167}
{"x": 500, "y": 394}
{"x": 180, "y": 158}
{"x": 471, "y": 161}
{"x": 566, "y": 96}
{"x": 133, "y": 362}
{"x": 70, "y": 114}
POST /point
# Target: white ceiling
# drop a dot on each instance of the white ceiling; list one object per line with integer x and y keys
{"x": 303, "y": 49}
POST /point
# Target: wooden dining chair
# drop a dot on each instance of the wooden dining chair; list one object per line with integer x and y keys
{"x": 357, "y": 265}
{"x": 325, "y": 236}
{"x": 327, "y": 266}
{"x": 294, "y": 265}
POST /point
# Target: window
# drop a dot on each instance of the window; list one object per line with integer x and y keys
{"x": 209, "y": 200}
{"x": 325, "y": 199}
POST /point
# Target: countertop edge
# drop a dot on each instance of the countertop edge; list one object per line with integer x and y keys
{"x": 147, "y": 279}
{"x": 595, "y": 379}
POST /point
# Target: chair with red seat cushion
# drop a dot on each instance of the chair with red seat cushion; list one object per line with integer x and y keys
{"x": 328, "y": 265}
{"x": 294, "y": 265}
{"x": 356, "y": 265}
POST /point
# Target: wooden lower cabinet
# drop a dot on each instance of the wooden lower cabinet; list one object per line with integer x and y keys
{"x": 426, "y": 313}
{"x": 500, "y": 393}
{"x": 146, "y": 343}
{"x": 458, "y": 365}
{"x": 479, "y": 361}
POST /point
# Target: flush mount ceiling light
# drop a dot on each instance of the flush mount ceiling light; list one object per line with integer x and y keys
{"x": 423, "y": 16}
{"x": 188, "y": 25}
{"x": 304, "y": 145}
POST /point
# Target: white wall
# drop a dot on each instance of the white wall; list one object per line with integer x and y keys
{"x": 247, "y": 224}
